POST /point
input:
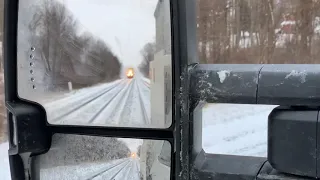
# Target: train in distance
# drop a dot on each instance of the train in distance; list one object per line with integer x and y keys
{"x": 130, "y": 73}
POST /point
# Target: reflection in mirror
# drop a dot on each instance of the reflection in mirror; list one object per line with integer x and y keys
{"x": 77, "y": 157}
{"x": 258, "y": 31}
{"x": 109, "y": 65}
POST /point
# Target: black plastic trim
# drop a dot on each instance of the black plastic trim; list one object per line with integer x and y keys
{"x": 267, "y": 172}
{"x": 228, "y": 167}
{"x": 231, "y": 167}
{"x": 10, "y": 49}
{"x": 28, "y": 131}
{"x": 281, "y": 84}
{"x": 115, "y": 132}
{"x": 225, "y": 83}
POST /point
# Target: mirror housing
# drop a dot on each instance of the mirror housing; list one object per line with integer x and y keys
{"x": 293, "y": 140}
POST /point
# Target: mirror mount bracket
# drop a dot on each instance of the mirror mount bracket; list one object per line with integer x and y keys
{"x": 27, "y": 128}
{"x": 29, "y": 136}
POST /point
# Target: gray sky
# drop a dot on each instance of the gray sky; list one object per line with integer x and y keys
{"x": 125, "y": 25}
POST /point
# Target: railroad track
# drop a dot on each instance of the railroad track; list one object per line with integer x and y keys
{"x": 102, "y": 108}
{"x": 79, "y": 104}
{"x": 124, "y": 170}
{"x": 143, "y": 107}
{"x": 122, "y": 165}
{"x": 117, "y": 104}
{"x": 117, "y": 115}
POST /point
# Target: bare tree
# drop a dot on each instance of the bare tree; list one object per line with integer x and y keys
{"x": 67, "y": 56}
{"x": 54, "y": 25}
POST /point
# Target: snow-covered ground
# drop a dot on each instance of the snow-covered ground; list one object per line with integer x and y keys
{"x": 227, "y": 128}
{"x": 235, "y": 129}
{"x": 4, "y": 162}
{"x": 116, "y": 170}
{"x": 124, "y": 102}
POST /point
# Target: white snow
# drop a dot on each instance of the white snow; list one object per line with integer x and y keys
{"x": 223, "y": 74}
{"x": 84, "y": 171}
{"x": 235, "y": 129}
{"x": 4, "y": 162}
{"x": 300, "y": 75}
{"x": 288, "y": 23}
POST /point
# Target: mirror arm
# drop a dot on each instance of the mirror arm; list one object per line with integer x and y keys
{"x": 285, "y": 84}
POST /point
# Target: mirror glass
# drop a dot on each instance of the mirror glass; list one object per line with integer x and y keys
{"x": 77, "y": 157}
{"x": 97, "y": 63}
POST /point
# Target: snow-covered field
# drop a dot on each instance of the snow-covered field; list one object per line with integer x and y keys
{"x": 227, "y": 128}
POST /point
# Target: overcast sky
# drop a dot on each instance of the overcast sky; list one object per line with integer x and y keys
{"x": 125, "y": 25}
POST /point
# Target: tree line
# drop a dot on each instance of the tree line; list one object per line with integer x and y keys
{"x": 76, "y": 149}
{"x": 258, "y": 31}
{"x": 65, "y": 54}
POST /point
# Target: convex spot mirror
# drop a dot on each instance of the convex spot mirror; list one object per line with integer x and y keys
{"x": 97, "y": 63}
{"x": 75, "y": 157}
